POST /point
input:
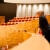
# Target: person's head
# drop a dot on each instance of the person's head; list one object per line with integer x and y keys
{"x": 39, "y": 13}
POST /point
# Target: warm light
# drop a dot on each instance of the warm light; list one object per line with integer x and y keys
{"x": 46, "y": 6}
{"x": 24, "y": 11}
{"x": 29, "y": 6}
{"x": 35, "y": 7}
{"x": 19, "y": 11}
{"x": 40, "y": 7}
{"x": 46, "y": 9}
{"x": 34, "y": 10}
{"x": 24, "y": 7}
{"x": 29, "y": 10}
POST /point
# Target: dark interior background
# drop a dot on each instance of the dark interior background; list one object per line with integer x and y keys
{"x": 1, "y": 1}
{"x": 8, "y": 10}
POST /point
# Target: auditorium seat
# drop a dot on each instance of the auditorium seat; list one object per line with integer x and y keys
{"x": 17, "y": 31}
{"x": 27, "y": 17}
{"x": 22, "y": 20}
{"x": 30, "y": 17}
{"x": 33, "y": 17}
{"x": 9, "y": 20}
{"x": 19, "y": 20}
{"x": 26, "y": 20}
{"x": 29, "y": 20}
{"x": 2, "y": 24}
{"x": 27, "y": 25}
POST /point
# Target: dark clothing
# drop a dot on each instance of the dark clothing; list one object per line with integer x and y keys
{"x": 43, "y": 23}
{"x": 47, "y": 35}
{"x": 45, "y": 27}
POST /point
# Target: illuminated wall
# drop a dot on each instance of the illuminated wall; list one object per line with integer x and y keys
{"x": 34, "y": 9}
{"x": 47, "y": 9}
{"x": 24, "y": 11}
{"x": 19, "y": 10}
{"x": 30, "y": 10}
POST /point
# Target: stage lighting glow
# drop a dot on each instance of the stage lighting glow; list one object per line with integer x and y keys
{"x": 24, "y": 11}
{"x": 46, "y": 9}
{"x": 29, "y": 10}
{"x": 40, "y": 7}
{"x": 19, "y": 11}
{"x": 34, "y": 9}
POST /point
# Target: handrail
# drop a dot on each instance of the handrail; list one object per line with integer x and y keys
{"x": 25, "y": 30}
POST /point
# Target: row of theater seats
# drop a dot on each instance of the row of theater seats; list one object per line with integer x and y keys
{"x": 17, "y": 20}
{"x": 25, "y": 17}
{"x": 26, "y": 25}
{"x": 13, "y": 34}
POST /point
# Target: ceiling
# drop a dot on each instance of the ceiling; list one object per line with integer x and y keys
{"x": 27, "y": 1}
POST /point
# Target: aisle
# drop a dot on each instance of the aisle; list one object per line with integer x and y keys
{"x": 35, "y": 42}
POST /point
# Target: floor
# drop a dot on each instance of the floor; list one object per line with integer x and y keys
{"x": 36, "y": 42}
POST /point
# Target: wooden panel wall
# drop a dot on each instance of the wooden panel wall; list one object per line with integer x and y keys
{"x": 8, "y": 10}
{"x": 2, "y": 19}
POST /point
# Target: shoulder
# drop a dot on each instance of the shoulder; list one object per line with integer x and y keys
{"x": 42, "y": 16}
